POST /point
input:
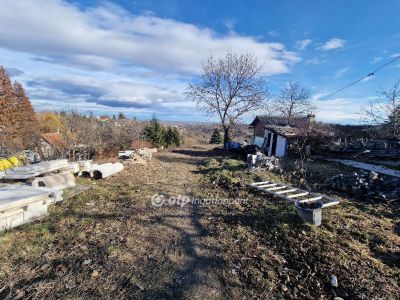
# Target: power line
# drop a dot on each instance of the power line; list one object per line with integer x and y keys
{"x": 362, "y": 78}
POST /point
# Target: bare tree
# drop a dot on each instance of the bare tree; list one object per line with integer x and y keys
{"x": 229, "y": 88}
{"x": 385, "y": 111}
{"x": 293, "y": 101}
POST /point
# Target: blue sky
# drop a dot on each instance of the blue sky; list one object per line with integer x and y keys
{"x": 138, "y": 56}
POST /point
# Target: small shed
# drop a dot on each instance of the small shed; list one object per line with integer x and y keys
{"x": 273, "y": 133}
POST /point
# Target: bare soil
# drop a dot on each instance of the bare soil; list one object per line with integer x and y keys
{"x": 110, "y": 242}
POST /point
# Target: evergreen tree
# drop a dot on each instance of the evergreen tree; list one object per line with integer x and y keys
{"x": 169, "y": 137}
{"x": 7, "y": 112}
{"x": 216, "y": 137}
{"x": 19, "y": 128}
{"x": 176, "y": 137}
{"x": 121, "y": 116}
{"x": 26, "y": 121}
{"x": 154, "y": 132}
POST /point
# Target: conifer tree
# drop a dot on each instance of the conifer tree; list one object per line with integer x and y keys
{"x": 154, "y": 132}
{"x": 26, "y": 121}
{"x": 216, "y": 137}
{"x": 7, "y": 112}
{"x": 177, "y": 137}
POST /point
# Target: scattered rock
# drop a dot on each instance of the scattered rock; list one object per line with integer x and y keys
{"x": 334, "y": 281}
{"x": 367, "y": 185}
{"x": 87, "y": 262}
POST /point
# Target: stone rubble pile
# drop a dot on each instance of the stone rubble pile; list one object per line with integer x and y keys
{"x": 372, "y": 147}
{"x": 367, "y": 185}
{"x": 260, "y": 160}
{"x": 138, "y": 156}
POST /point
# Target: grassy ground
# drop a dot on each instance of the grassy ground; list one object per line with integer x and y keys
{"x": 111, "y": 243}
{"x": 276, "y": 255}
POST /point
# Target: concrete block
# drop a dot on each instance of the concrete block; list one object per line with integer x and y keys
{"x": 22, "y": 204}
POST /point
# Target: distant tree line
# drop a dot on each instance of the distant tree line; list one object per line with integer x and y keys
{"x": 87, "y": 136}
{"x": 73, "y": 135}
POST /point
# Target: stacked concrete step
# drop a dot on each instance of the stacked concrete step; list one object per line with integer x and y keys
{"x": 26, "y": 172}
{"x": 20, "y": 204}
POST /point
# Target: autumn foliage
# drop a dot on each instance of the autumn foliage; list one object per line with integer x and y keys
{"x": 19, "y": 128}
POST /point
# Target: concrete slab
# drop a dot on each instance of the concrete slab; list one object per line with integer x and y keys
{"x": 22, "y": 204}
{"x": 30, "y": 171}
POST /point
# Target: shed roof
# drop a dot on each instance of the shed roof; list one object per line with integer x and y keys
{"x": 285, "y": 131}
{"x": 281, "y": 121}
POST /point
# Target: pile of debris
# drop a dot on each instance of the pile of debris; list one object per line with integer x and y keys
{"x": 138, "y": 156}
{"x": 370, "y": 148}
{"x": 260, "y": 160}
{"x": 366, "y": 184}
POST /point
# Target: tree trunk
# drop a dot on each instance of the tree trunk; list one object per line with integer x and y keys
{"x": 227, "y": 138}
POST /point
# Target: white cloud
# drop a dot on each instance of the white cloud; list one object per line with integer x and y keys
{"x": 107, "y": 33}
{"x": 112, "y": 93}
{"x": 230, "y": 24}
{"x": 368, "y": 78}
{"x": 339, "y": 110}
{"x": 273, "y": 33}
{"x": 376, "y": 59}
{"x": 340, "y": 72}
{"x": 334, "y": 43}
{"x": 316, "y": 61}
{"x": 303, "y": 44}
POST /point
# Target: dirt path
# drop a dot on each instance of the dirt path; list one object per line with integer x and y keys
{"x": 172, "y": 175}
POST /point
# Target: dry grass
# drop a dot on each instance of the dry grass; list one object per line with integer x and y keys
{"x": 110, "y": 243}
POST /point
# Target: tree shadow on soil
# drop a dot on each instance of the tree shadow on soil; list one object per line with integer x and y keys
{"x": 201, "y": 153}
{"x": 195, "y": 272}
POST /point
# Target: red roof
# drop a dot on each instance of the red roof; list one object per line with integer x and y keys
{"x": 54, "y": 139}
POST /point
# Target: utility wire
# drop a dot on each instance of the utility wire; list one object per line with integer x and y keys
{"x": 358, "y": 80}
